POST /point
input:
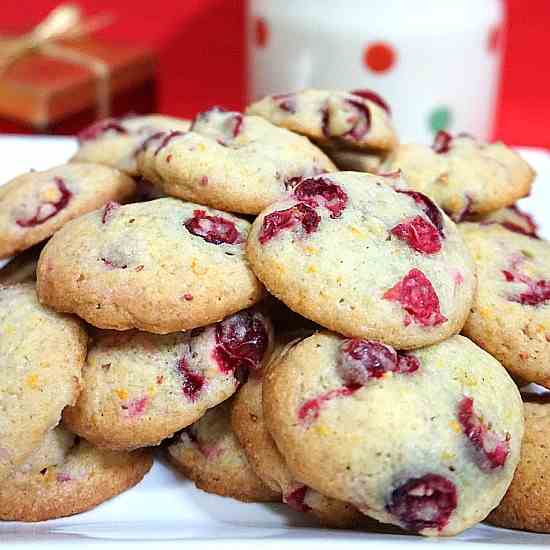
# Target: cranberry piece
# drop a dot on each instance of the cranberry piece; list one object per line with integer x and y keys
{"x": 321, "y": 191}
{"x": 285, "y": 219}
{"x": 425, "y": 502}
{"x": 98, "y": 128}
{"x": 136, "y": 407}
{"x": 48, "y": 209}
{"x": 311, "y": 409}
{"x": 530, "y": 231}
{"x": 442, "y": 142}
{"x": 228, "y": 123}
{"x": 362, "y": 360}
{"x": 213, "y": 229}
{"x": 168, "y": 137}
{"x": 419, "y": 234}
{"x": 374, "y": 97}
{"x": 491, "y": 450}
{"x": 466, "y": 210}
{"x": 286, "y": 102}
{"x": 148, "y": 141}
{"x": 193, "y": 382}
{"x": 296, "y": 499}
{"x": 538, "y": 292}
{"x": 428, "y": 207}
{"x": 110, "y": 207}
{"x": 418, "y": 298}
{"x": 241, "y": 342}
{"x": 359, "y": 119}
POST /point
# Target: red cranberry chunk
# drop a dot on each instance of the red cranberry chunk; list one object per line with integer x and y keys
{"x": 193, "y": 382}
{"x": 418, "y": 298}
{"x": 241, "y": 342}
{"x": 359, "y": 121}
{"x": 49, "y": 209}
{"x": 425, "y": 502}
{"x": 428, "y": 207}
{"x": 279, "y": 220}
{"x": 296, "y": 499}
{"x": 228, "y": 123}
{"x": 362, "y": 360}
{"x": 442, "y": 142}
{"x": 286, "y": 102}
{"x": 110, "y": 207}
{"x": 168, "y": 137}
{"x": 531, "y": 229}
{"x": 311, "y": 409}
{"x": 98, "y": 128}
{"x": 419, "y": 234}
{"x": 491, "y": 450}
{"x": 374, "y": 97}
{"x": 321, "y": 191}
{"x": 213, "y": 229}
{"x": 538, "y": 292}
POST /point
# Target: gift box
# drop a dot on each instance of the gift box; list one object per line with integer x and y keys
{"x": 60, "y": 85}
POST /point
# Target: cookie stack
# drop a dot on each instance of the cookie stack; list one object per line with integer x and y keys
{"x": 288, "y": 330}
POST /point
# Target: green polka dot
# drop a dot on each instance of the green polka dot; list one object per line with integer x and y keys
{"x": 440, "y": 119}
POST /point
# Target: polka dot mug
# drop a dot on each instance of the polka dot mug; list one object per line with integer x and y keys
{"x": 437, "y": 62}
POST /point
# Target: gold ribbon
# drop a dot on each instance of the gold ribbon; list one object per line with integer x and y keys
{"x": 64, "y": 22}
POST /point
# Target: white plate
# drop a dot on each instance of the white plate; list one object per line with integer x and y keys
{"x": 166, "y": 511}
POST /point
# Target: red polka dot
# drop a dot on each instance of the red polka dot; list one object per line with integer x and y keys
{"x": 379, "y": 57}
{"x": 494, "y": 39}
{"x": 261, "y": 31}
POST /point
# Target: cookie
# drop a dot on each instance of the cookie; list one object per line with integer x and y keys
{"x": 160, "y": 266}
{"x": 22, "y": 268}
{"x": 436, "y": 464}
{"x": 35, "y": 205}
{"x": 511, "y": 311}
{"x": 116, "y": 142}
{"x": 462, "y": 175}
{"x": 141, "y": 388}
{"x": 525, "y": 506}
{"x": 511, "y": 218}
{"x": 41, "y": 355}
{"x": 209, "y": 454}
{"x": 349, "y": 252}
{"x": 230, "y": 161}
{"x": 70, "y": 481}
{"x": 248, "y": 425}
{"x": 354, "y": 120}
{"x": 355, "y": 161}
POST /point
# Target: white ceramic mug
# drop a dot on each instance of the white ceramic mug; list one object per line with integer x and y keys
{"x": 437, "y": 62}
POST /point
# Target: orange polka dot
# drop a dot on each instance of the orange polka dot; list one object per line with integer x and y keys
{"x": 494, "y": 40}
{"x": 379, "y": 57}
{"x": 261, "y": 31}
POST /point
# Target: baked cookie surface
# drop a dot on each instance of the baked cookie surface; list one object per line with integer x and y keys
{"x": 437, "y": 464}
{"x": 160, "y": 266}
{"x": 35, "y": 205}
{"x": 141, "y": 388}
{"x": 41, "y": 357}
{"x": 351, "y": 253}
{"x": 230, "y": 161}
{"x": 511, "y": 311}
{"x": 462, "y": 175}
{"x": 331, "y": 117}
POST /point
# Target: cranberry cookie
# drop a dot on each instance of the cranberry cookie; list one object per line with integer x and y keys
{"x": 64, "y": 478}
{"x": 436, "y": 464}
{"x": 355, "y": 120}
{"x": 349, "y": 252}
{"x": 34, "y": 206}
{"x": 462, "y": 175}
{"x": 209, "y": 454}
{"x": 230, "y": 161}
{"x": 511, "y": 311}
{"x": 116, "y": 142}
{"x": 511, "y": 218}
{"x": 41, "y": 356}
{"x": 141, "y": 388}
{"x": 526, "y": 504}
{"x": 160, "y": 266}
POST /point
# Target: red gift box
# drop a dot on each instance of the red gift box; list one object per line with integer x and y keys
{"x": 65, "y": 84}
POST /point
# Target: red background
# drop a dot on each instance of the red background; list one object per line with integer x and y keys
{"x": 201, "y": 51}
